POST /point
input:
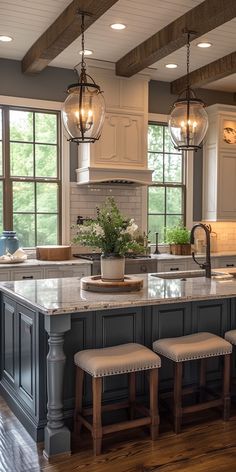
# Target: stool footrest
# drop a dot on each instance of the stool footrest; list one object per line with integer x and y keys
{"x": 202, "y": 406}
{"x": 125, "y": 425}
{"x": 110, "y": 407}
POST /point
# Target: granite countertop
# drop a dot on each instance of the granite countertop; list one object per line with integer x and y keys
{"x": 60, "y": 296}
{"x": 35, "y": 263}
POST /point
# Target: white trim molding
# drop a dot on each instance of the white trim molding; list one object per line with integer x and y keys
{"x": 65, "y": 155}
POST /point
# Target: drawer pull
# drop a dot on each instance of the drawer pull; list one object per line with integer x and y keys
{"x": 174, "y": 268}
{"x": 25, "y": 277}
{"x": 229, "y": 265}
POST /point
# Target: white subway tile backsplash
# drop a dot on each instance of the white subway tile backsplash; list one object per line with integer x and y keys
{"x": 85, "y": 199}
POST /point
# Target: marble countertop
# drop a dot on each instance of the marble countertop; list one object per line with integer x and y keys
{"x": 60, "y": 296}
{"x": 166, "y": 256}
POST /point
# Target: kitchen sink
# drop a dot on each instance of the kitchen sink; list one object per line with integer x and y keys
{"x": 183, "y": 275}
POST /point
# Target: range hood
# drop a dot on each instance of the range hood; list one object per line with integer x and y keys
{"x": 120, "y": 155}
{"x": 99, "y": 175}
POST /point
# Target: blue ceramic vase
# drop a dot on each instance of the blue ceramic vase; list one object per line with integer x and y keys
{"x": 8, "y": 242}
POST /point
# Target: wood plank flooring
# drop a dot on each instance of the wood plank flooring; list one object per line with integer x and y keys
{"x": 206, "y": 444}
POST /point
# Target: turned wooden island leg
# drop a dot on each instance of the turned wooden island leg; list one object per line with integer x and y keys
{"x": 57, "y": 437}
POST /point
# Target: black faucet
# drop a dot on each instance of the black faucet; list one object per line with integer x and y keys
{"x": 207, "y": 264}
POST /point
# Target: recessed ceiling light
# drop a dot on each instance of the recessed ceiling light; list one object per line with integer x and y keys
{"x": 204, "y": 45}
{"x": 5, "y": 39}
{"x": 87, "y": 52}
{"x": 118, "y": 26}
{"x": 171, "y": 66}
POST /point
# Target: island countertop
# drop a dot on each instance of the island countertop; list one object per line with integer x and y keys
{"x": 64, "y": 295}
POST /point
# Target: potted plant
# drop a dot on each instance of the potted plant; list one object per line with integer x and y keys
{"x": 114, "y": 235}
{"x": 178, "y": 238}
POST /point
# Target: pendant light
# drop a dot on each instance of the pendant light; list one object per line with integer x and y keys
{"x": 83, "y": 111}
{"x": 188, "y": 120}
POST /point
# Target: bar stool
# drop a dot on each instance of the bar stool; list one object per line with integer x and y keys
{"x": 192, "y": 347}
{"x": 230, "y": 336}
{"x": 99, "y": 363}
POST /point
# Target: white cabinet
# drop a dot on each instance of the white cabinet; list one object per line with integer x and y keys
{"x": 229, "y": 261}
{"x": 55, "y": 272}
{"x": 5, "y": 275}
{"x": 27, "y": 273}
{"x": 219, "y": 165}
{"x": 171, "y": 266}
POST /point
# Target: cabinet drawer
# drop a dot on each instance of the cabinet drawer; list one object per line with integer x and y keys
{"x": 27, "y": 274}
{"x": 66, "y": 271}
{"x": 225, "y": 262}
{"x": 5, "y": 275}
{"x": 171, "y": 266}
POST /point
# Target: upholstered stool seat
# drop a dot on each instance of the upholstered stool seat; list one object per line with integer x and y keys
{"x": 230, "y": 336}
{"x": 116, "y": 360}
{"x": 192, "y": 346}
{"x": 123, "y": 359}
{"x": 189, "y": 348}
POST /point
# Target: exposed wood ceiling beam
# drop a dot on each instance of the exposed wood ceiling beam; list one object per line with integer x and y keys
{"x": 60, "y": 34}
{"x": 214, "y": 71}
{"x": 205, "y": 17}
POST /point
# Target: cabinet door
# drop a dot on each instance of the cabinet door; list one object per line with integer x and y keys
{"x": 119, "y": 327}
{"x": 26, "y": 351}
{"x": 8, "y": 330}
{"x": 171, "y": 321}
{"x": 227, "y": 184}
{"x": 26, "y": 274}
{"x": 5, "y": 274}
{"x": 212, "y": 316}
{"x": 171, "y": 266}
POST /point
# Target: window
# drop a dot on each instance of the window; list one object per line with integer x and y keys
{"x": 166, "y": 197}
{"x": 30, "y": 185}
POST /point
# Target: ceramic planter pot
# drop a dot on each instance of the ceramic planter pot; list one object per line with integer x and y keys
{"x": 112, "y": 267}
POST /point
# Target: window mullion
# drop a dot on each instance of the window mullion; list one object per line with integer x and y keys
{"x": 7, "y": 188}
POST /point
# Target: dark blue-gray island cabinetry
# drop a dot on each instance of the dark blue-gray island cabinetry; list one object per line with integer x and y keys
{"x": 27, "y": 335}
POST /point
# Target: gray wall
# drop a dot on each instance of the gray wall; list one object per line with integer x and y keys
{"x": 161, "y": 100}
{"x": 51, "y": 84}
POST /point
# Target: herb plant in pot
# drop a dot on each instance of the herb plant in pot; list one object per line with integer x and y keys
{"x": 178, "y": 238}
{"x": 114, "y": 235}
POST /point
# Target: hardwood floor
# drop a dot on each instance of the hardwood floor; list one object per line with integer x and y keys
{"x": 202, "y": 447}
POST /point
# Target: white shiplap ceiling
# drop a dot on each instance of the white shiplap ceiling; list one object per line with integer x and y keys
{"x": 26, "y": 20}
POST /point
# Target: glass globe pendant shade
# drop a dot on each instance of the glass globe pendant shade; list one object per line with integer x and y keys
{"x": 188, "y": 123}
{"x": 83, "y": 112}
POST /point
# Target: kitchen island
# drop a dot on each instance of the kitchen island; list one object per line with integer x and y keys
{"x": 44, "y": 322}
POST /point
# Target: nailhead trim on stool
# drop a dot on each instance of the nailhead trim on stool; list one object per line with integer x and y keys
{"x": 193, "y": 346}
{"x": 230, "y": 336}
{"x": 115, "y": 360}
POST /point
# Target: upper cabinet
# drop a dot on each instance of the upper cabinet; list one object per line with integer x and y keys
{"x": 219, "y": 164}
{"x": 121, "y": 151}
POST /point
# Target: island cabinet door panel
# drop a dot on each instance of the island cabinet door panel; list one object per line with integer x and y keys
{"x": 119, "y": 327}
{"x": 171, "y": 321}
{"x": 26, "y": 348}
{"x": 8, "y": 334}
{"x": 233, "y": 326}
{"x": 213, "y": 317}
{"x": 80, "y": 337}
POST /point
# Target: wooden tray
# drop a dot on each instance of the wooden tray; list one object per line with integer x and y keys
{"x": 94, "y": 283}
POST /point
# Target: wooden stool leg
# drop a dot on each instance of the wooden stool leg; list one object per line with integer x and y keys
{"x": 97, "y": 415}
{"x": 79, "y": 383}
{"x": 178, "y": 396}
{"x": 132, "y": 394}
{"x": 202, "y": 383}
{"x": 226, "y": 387}
{"x": 154, "y": 413}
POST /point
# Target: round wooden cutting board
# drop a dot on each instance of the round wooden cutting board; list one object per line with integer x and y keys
{"x": 94, "y": 283}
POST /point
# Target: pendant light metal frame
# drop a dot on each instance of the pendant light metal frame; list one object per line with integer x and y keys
{"x": 84, "y": 81}
{"x": 188, "y": 96}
